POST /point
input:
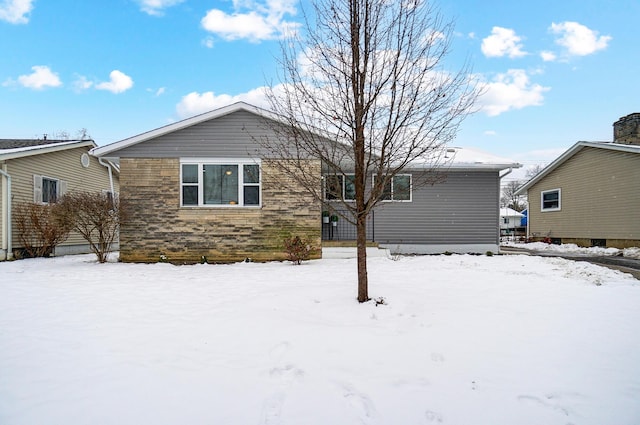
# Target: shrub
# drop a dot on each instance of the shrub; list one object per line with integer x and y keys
{"x": 297, "y": 249}
{"x": 97, "y": 217}
{"x": 41, "y": 227}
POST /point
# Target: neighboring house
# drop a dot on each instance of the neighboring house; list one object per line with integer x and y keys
{"x": 42, "y": 171}
{"x": 204, "y": 187}
{"x": 511, "y": 222}
{"x": 590, "y": 195}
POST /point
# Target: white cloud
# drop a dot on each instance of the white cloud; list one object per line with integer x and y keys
{"x": 208, "y": 42}
{"x": 119, "y": 82}
{"x": 502, "y": 42}
{"x": 15, "y": 11}
{"x": 197, "y": 103}
{"x": 548, "y": 56}
{"x": 511, "y": 90}
{"x": 82, "y": 83}
{"x": 578, "y": 39}
{"x": 156, "y": 7}
{"x": 490, "y": 133}
{"x": 253, "y": 21}
{"x": 40, "y": 78}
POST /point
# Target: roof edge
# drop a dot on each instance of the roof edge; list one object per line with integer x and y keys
{"x": 569, "y": 153}
{"x": 42, "y": 149}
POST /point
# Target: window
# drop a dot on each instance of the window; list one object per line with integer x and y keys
{"x": 550, "y": 200}
{"x": 340, "y": 187}
{"x": 213, "y": 183}
{"x": 47, "y": 190}
{"x": 397, "y": 189}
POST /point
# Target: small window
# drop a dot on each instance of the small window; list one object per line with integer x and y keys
{"x": 220, "y": 184}
{"x": 340, "y": 187}
{"x": 47, "y": 190}
{"x": 550, "y": 200}
{"x": 397, "y": 189}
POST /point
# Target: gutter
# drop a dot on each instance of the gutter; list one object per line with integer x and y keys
{"x": 507, "y": 172}
{"x": 7, "y": 236}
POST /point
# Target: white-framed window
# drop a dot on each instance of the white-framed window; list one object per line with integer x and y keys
{"x": 397, "y": 189}
{"x": 47, "y": 190}
{"x": 550, "y": 200}
{"x": 220, "y": 183}
{"x": 339, "y": 187}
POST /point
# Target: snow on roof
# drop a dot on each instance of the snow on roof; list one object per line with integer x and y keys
{"x": 510, "y": 212}
{"x": 466, "y": 158}
{"x": 26, "y": 149}
{"x": 462, "y": 156}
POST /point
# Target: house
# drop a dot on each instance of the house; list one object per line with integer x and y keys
{"x": 204, "y": 187}
{"x": 511, "y": 222}
{"x": 590, "y": 195}
{"x": 457, "y": 214}
{"x": 41, "y": 171}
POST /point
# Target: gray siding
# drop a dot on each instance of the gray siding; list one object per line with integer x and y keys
{"x": 235, "y": 135}
{"x": 462, "y": 210}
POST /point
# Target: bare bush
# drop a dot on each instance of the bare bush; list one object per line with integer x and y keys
{"x": 41, "y": 227}
{"x": 297, "y": 249}
{"x": 96, "y": 216}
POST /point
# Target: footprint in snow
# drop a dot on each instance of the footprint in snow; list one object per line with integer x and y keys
{"x": 360, "y": 402}
{"x": 432, "y": 416}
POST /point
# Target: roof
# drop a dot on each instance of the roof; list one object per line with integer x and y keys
{"x": 572, "y": 151}
{"x": 510, "y": 212}
{"x": 18, "y": 148}
{"x": 471, "y": 158}
{"x": 454, "y": 158}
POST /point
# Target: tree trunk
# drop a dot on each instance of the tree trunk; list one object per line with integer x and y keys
{"x": 363, "y": 283}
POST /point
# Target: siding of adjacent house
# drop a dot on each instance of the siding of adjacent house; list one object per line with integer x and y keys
{"x": 600, "y": 198}
{"x": 62, "y": 165}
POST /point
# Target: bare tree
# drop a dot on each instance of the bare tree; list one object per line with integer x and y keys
{"x": 509, "y": 197}
{"x": 534, "y": 170}
{"x": 364, "y": 89}
{"x": 96, "y": 216}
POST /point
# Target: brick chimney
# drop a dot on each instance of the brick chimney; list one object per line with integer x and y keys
{"x": 627, "y": 130}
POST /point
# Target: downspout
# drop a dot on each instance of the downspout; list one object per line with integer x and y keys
{"x": 500, "y": 176}
{"x": 7, "y": 236}
{"x": 110, "y": 174}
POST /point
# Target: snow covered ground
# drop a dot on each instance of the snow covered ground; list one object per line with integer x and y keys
{"x": 574, "y": 249}
{"x": 462, "y": 339}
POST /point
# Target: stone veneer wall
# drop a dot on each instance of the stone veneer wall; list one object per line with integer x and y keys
{"x": 158, "y": 226}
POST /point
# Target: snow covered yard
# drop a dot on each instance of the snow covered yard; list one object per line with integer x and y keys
{"x": 462, "y": 340}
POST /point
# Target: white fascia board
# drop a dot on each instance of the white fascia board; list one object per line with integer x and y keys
{"x": 569, "y": 153}
{"x": 6, "y": 154}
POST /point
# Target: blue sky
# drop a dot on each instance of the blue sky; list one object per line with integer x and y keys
{"x": 555, "y": 72}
